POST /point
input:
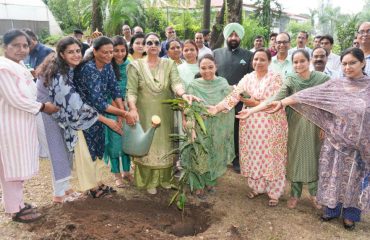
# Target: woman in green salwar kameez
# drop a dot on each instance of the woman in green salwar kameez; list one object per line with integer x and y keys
{"x": 303, "y": 136}
{"x": 113, "y": 153}
{"x": 150, "y": 81}
{"x": 220, "y": 129}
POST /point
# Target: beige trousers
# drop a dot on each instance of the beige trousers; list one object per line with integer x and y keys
{"x": 89, "y": 172}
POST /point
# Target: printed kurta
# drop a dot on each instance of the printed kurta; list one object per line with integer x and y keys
{"x": 341, "y": 108}
{"x": 220, "y": 128}
{"x": 148, "y": 88}
{"x": 262, "y": 136}
{"x": 96, "y": 88}
{"x": 18, "y": 129}
{"x": 303, "y": 136}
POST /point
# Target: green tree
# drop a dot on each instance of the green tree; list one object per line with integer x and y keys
{"x": 155, "y": 20}
{"x": 252, "y": 28}
{"x": 118, "y": 12}
{"x": 346, "y": 31}
{"x": 266, "y": 11}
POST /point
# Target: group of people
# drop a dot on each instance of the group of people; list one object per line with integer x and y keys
{"x": 300, "y": 115}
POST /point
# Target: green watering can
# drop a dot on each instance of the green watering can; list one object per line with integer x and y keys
{"x": 135, "y": 141}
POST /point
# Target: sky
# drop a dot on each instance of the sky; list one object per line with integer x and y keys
{"x": 302, "y": 6}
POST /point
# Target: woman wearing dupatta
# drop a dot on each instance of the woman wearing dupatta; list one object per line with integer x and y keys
{"x": 263, "y": 137}
{"x": 55, "y": 84}
{"x": 220, "y": 129}
{"x": 189, "y": 68}
{"x": 341, "y": 108}
{"x": 113, "y": 152}
{"x": 303, "y": 136}
{"x": 150, "y": 81}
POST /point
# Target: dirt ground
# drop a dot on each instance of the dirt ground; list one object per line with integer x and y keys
{"x": 133, "y": 214}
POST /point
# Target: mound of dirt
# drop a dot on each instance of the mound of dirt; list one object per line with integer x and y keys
{"x": 119, "y": 218}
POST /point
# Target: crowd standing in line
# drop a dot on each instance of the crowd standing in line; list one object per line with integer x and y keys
{"x": 280, "y": 94}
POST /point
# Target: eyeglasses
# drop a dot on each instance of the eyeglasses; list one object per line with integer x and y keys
{"x": 363, "y": 32}
{"x": 282, "y": 42}
{"x": 350, "y": 64}
{"x": 150, "y": 43}
{"x": 170, "y": 32}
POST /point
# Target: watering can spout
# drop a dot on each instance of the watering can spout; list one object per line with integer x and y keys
{"x": 135, "y": 141}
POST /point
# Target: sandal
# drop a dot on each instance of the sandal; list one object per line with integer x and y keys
{"x": 107, "y": 189}
{"x": 348, "y": 224}
{"x": 26, "y": 215}
{"x": 273, "y": 202}
{"x": 252, "y": 194}
{"x": 292, "y": 202}
{"x": 128, "y": 177}
{"x": 99, "y": 193}
{"x": 119, "y": 183}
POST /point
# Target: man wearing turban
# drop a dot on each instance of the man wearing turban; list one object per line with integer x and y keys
{"x": 233, "y": 63}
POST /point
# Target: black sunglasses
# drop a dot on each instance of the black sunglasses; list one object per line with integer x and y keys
{"x": 150, "y": 43}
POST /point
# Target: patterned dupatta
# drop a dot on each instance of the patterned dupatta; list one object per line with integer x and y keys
{"x": 73, "y": 113}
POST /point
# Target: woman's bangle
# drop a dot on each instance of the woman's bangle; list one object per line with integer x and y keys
{"x": 42, "y": 107}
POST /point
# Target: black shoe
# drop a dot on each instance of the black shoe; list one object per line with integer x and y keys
{"x": 325, "y": 218}
{"x": 349, "y": 227}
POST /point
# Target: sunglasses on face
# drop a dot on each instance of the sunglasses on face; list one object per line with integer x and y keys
{"x": 150, "y": 43}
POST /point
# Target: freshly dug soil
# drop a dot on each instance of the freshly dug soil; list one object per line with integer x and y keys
{"x": 133, "y": 214}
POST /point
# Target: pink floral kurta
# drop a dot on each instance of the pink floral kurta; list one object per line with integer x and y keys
{"x": 263, "y": 136}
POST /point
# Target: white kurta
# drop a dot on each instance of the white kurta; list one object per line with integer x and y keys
{"x": 18, "y": 128}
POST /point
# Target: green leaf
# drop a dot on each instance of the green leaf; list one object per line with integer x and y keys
{"x": 200, "y": 122}
{"x": 174, "y": 198}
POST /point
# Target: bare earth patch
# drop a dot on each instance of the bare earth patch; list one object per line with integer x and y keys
{"x": 133, "y": 214}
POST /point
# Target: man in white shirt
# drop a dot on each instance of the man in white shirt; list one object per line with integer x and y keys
{"x": 282, "y": 62}
{"x": 319, "y": 59}
{"x": 364, "y": 39}
{"x": 202, "y": 50}
{"x": 333, "y": 63}
{"x": 302, "y": 38}
{"x": 258, "y": 43}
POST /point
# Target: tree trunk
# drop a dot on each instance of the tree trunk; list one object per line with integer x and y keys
{"x": 97, "y": 16}
{"x": 206, "y": 14}
{"x": 233, "y": 14}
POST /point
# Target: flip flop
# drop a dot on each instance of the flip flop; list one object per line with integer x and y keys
{"x": 252, "y": 194}
{"x": 26, "y": 215}
{"x": 273, "y": 202}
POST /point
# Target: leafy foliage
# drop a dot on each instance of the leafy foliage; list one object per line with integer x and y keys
{"x": 346, "y": 32}
{"x": 192, "y": 146}
{"x": 252, "y": 28}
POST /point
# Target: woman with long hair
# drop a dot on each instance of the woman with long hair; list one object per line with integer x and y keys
{"x": 55, "y": 84}
{"x": 113, "y": 143}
